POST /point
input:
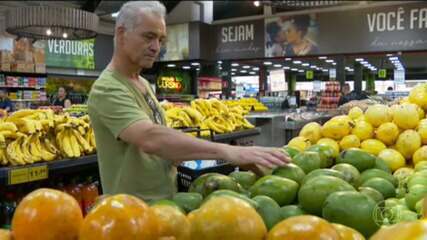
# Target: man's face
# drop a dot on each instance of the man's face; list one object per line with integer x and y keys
{"x": 61, "y": 92}
{"x": 142, "y": 45}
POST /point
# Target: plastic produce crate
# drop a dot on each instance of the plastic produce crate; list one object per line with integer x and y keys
{"x": 187, "y": 175}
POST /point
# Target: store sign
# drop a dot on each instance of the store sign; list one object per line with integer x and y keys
{"x": 309, "y": 74}
{"x": 400, "y": 27}
{"x": 174, "y": 82}
{"x": 278, "y": 81}
{"x": 382, "y": 73}
{"x": 399, "y": 76}
{"x": 170, "y": 83}
{"x": 70, "y": 54}
{"x": 239, "y": 40}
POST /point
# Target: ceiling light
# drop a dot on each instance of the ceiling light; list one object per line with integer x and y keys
{"x": 48, "y": 32}
{"x": 114, "y": 15}
{"x": 197, "y": 69}
{"x": 186, "y": 67}
{"x": 219, "y": 62}
{"x": 288, "y": 59}
{"x": 171, "y": 65}
{"x": 220, "y": 68}
{"x": 297, "y": 62}
{"x": 329, "y": 60}
{"x": 305, "y": 64}
{"x": 195, "y": 64}
{"x": 233, "y": 73}
{"x": 389, "y": 55}
{"x": 243, "y": 71}
{"x": 267, "y": 63}
{"x": 78, "y": 24}
{"x": 286, "y": 68}
{"x": 233, "y": 69}
{"x": 313, "y": 66}
{"x": 300, "y": 70}
{"x": 252, "y": 72}
{"x": 255, "y": 68}
{"x": 325, "y": 70}
{"x": 294, "y": 69}
{"x": 257, "y": 3}
{"x": 234, "y": 64}
{"x": 364, "y": 62}
{"x": 246, "y": 67}
{"x": 393, "y": 58}
{"x": 359, "y": 60}
{"x": 322, "y": 57}
{"x": 277, "y": 65}
{"x": 334, "y": 63}
{"x": 65, "y": 35}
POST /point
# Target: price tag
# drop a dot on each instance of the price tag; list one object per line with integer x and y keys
{"x": 28, "y": 174}
{"x": 38, "y": 173}
{"x": 18, "y": 175}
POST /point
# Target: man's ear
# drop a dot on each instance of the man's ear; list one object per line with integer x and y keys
{"x": 120, "y": 33}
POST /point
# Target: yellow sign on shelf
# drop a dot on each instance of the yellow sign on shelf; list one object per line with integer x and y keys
{"x": 28, "y": 174}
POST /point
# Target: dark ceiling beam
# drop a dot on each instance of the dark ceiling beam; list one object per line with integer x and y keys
{"x": 170, "y": 5}
{"x": 91, "y": 5}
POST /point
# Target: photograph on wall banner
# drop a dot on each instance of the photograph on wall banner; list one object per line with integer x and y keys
{"x": 177, "y": 43}
{"x": 291, "y": 36}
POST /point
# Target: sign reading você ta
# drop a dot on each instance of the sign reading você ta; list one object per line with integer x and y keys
{"x": 70, "y": 54}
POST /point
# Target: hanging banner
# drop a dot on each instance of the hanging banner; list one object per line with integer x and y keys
{"x": 70, "y": 54}
{"x": 177, "y": 43}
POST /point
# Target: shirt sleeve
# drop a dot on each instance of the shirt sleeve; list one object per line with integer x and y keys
{"x": 116, "y": 109}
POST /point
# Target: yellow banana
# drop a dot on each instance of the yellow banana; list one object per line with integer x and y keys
{"x": 195, "y": 115}
{"x": 50, "y": 147}
{"x": 66, "y": 145}
{"x": 25, "y": 150}
{"x": 74, "y": 144}
{"x": 82, "y": 141}
{"x": 247, "y": 124}
{"x": 92, "y": 140}
{"x": 211, "y": 125}
{"x": 14, "y": 153}
{"x": 24, "y": 125}
{"x": 62, "y": 126}
{"x": 20, "y": 114}
{"x": 186, "y": 120}
{"x": 35, "y": 147}
{"x": 8, "y": 126}
{"x": 3, "y": 158}
{"x": 46, "y": 155}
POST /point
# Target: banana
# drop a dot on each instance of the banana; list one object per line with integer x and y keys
{"x": 81, "y": 130}
{"x": 82, "y": 141}
{"x": 25, "y": 150}
{"x": 211, "y": 125}
{"x": 247, "y": 124}
{"x": 8, "y": 126}
{"x": 66, "y": 144}
{"x": 186, "y": 120}
{"x": 74, "y": 144}
{"x": 46, "y": 155}
{"x": 35, "y": 147}
{"x": 20, "y": 114}
{"x": 50, "y": 147}
{"x": 92, "y": 139}
{"x": 24, "y": 125}
{"x": 14, "y": 153}
{"x": 195, "y": 115}
{"x": 3, "y": 158}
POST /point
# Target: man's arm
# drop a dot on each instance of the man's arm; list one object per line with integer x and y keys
{"x": 176, "y": 146}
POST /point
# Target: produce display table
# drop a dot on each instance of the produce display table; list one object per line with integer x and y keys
{"x": 269, "y": 124}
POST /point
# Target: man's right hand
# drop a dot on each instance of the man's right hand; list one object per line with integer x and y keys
{"x": 266, "y": 157}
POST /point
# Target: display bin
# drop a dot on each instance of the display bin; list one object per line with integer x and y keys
{"x": 186, "y": 176}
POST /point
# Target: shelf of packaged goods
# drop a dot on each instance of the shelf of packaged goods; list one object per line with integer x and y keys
{"x": 22, "y": 87}
{"x": 40, "y": 171}
{"x": 24, "y": 74}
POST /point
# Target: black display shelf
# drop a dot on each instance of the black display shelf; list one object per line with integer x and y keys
{"x": 24, "y": 74}
{"x": 236, "y": 135}
{"x": 57, "y": 167}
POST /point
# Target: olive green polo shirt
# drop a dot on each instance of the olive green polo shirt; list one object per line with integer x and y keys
{"x": 114, "y": 104}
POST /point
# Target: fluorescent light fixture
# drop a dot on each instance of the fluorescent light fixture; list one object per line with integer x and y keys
{"x": 288, "y": 59}
{"x": 277, "y": 65}
{"x": 186, "y": 67}
{"x": 286, "y": 68}
{"x": 351, "y": 70}
{"x": 364, "y": 62}
{"x": 393, "y": 58}
{"x": 268, "y": 63}
{"x": 297, "y": 62}
{"x": 114, "y": 15}
{"x": 300, "y": 70}
{"x": 257, "y": 3}
{"x": 65, "y": 35}
{"x": 233, "y": 73}
{"x": 329, "y": 60}
{"x": 246, "y": 67}
{"x": 389, "y": 55}
{"x": 322, "y": 57}
{"x": 220, "y": 68}
{"x": 233, "y": 69}
{"x": 252, "y": 72}
{"x": 334, "y": 63}
{"x": 234, "y": 64}
{"x": 294, "y": 69}
{"x": 359, "y": 59}
{"x": 48, "y": 32}
{"x": 243, "y": 71}
{"x": 197, "y": 69}
{"x": 325, "y": 70}
{"x": 255, "y": 68}
{"x": 219, "y": 62}
{"x": 305, "y": 64}
{"x": 195, "y": 64}
{"x": 171, "y": 65}
{"x": 313, "y": 66}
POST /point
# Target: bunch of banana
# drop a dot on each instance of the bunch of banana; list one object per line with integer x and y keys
{"x": 183, "y": 117}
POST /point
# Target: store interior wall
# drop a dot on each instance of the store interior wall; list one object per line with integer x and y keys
{"x": 191, "y": 11}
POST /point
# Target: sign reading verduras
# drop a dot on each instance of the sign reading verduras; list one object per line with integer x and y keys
{"x": 70, "y": 54}
{"x": 239, "y": 40}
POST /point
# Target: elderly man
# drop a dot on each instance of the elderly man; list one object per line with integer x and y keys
{"x": 137, "y": 153}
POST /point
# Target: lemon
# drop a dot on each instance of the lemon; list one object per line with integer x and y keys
{"x": 355, "y": 113}
{"x": 363, "y": 130}
{"x": 422, "y": 130}
{"x": 349, "y": 141}
{"x": 378, "y": 114}
{"x": 408, "y": 142}
{"x": 418, "y": 95}
{"x": 420, "y": 155}
{"x": 393, "y": 158}
{"x": 337, "y": 128}
{"x": 300, "y": 143}
{"x": 393, "y": 109}
{"x": 332, "y": 143}
{"x": 406, "y": 116}
{"x": 312, "y": 131}
{"x": 372, "y": 146}
{"x": 387, "y": 133}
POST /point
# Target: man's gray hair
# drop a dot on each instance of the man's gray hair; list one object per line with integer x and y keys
{"x": 128, "y": 14}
